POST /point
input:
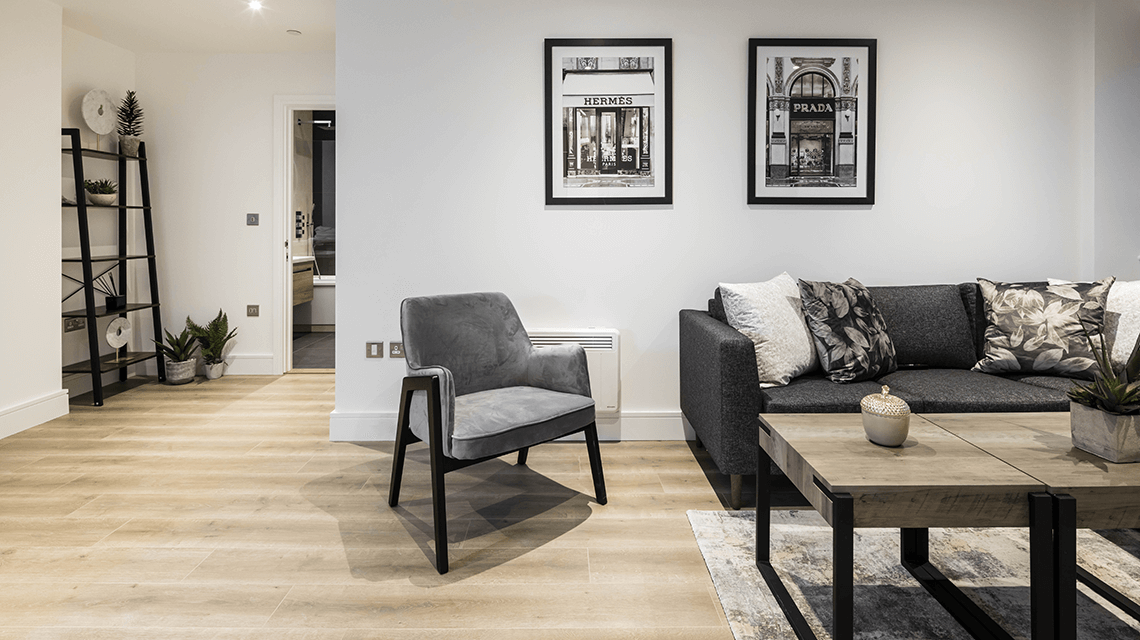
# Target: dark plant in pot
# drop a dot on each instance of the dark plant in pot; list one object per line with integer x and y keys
{"x": 213, "y": 338}
{"x": 180, "y": 361}
{"x": 1105, "y": 413}
{"x": 130, "y": 125}
{"x": 101, "y": 192}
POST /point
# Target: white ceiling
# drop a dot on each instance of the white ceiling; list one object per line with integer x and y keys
{"x": 206, "y": 26}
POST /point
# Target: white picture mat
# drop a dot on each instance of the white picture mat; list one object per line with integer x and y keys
{"x": 657, "y": 153}
{"x": 860, "y": 54}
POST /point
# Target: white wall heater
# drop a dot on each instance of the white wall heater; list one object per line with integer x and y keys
{"x": 603, "y": 357}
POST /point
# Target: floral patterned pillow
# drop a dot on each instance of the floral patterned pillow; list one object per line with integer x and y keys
{"x": 850, "y": 334}
{"x": 1036, "y": 328}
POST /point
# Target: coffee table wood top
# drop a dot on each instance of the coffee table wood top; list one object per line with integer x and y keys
{"x": 1040, "y": 445}
{"x": 935, "y": 479}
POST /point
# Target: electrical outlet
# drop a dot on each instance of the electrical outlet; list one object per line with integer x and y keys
{"x": 252, "y": 310}
{"x": 373, "y": 349}
{"x": 74, "y": 324}
{"x": 395, "y": 349}
{"x": 252, "y": 219}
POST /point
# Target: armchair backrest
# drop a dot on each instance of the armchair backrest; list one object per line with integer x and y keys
{"x": 477, "y": 336}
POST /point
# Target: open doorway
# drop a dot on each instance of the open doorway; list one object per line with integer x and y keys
{"x": 313, "y": 230}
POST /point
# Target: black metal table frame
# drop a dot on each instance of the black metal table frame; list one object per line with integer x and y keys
{"x": 1047, "y": 552}
{"x": 1068, "y": 571}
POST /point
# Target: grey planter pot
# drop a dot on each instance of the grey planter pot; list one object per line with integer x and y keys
{"x": 181, "y": 372}
{"x": 1112, "y": 437}
{"x": 215, "y": 371}
{"x": 129, "y": 146}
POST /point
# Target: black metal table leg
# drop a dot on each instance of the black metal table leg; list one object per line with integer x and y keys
{"x": 1042, "y": 568}
{"x": 842, "y": 566}
{"x": 915, "y": 555}
{"x": 763, "y": 550}
{"x": 1065, "y": 566}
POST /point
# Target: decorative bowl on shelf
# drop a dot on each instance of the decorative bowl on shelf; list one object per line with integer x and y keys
{"x": 102, "y": 199}
{"x": 886, "y": 418}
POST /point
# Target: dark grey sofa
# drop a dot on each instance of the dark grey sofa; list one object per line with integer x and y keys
{"x": 937, "y": 333}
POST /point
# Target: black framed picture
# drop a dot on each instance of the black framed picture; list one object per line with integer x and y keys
{"x": 811, "y": 121}
{"x": 609, "y": 114}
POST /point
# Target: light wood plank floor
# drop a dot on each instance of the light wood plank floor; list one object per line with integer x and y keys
{"x": 221, "y": 510}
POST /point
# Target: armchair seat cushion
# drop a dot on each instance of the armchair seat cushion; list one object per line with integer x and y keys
{"x": 494, "y": 421}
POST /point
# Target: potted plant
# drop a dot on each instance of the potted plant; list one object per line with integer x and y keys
{"x": 180, "y": 361}
{"x": 101, "y": 192}
{"x": 1104, "y": 415}
{"x": 213, "y": 338}
{"x": 130, "y": 125}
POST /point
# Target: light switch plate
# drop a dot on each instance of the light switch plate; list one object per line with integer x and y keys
{"x": 252, "y": 310}
{"x": 252, "y": 219}
{"x": 373, "y": 349}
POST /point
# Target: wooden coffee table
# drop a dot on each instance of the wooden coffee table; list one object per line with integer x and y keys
{"x": 1088, "y": 492}
{"x": 935, "y": 479}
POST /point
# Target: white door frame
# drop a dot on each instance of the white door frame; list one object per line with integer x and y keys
{"x": 282, "y": 220}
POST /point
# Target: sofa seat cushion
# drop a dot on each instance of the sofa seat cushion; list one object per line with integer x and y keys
{"x": 1047, "y": 382}
{"x": 955, "y": 390}
{"x": 490, "y": 422}
{"x": 928, "y": 325}
{"x": 816, "y": 394}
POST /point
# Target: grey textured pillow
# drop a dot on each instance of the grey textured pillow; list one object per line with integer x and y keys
{"x": 1036, "y": 328}
{"x": 850, "y": 335}
{"x": 771, "y": 315}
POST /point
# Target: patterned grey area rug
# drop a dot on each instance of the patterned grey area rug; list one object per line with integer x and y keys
{"x": 990, "y": 565}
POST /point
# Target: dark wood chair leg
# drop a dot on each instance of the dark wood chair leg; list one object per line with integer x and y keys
{"x": 400, "y": 448}
{"x": 596, "y": 462}
{"x": 438, "y": 496}
{"x": 522, "y": 455}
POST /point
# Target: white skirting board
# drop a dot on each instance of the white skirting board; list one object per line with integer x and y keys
{"x": 34, "y": 412}
{"x": 629, "y": 425}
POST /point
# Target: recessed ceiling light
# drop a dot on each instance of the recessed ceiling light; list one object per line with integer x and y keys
{"x": 255, "y": 5}
{"x": 293, "y": 32}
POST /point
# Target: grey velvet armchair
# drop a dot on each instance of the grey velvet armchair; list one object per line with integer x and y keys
{"x": 477, "y": 389}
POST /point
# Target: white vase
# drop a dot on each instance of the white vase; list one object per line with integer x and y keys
{"x": 181, "y": 372}
{"x": 214, "y": 371}
{"x": 1110, "y": 436}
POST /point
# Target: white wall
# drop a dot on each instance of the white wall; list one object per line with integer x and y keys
{"x": 90, "y": 63}
{"x": 1117, "y": 138}
{"x": 980, "y": 142}
{"x": 210, "y": 140}
{"x": 30, "y": 63}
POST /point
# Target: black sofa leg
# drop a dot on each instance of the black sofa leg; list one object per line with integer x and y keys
{"x": 522, "y": 456}
{"x": 595, "y": 462}
{"x": 737, "y": 488}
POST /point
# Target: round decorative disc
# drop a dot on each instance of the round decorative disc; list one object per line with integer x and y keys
{"x": 119, "y": 333}
{"x": 98, "y": 112}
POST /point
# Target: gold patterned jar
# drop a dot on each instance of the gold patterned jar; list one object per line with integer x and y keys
{"x": 886, "y": 418}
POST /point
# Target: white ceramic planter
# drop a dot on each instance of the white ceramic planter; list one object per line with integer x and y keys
{"x": 215, "y": 371}
{"x": 103, "y": 199}
{"x": 1112, "y": 437}
{"x": 181, "y": 372}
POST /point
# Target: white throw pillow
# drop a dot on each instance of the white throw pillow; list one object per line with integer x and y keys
{"x": 772, "y": 316}
{"x": 1121, "y": 319}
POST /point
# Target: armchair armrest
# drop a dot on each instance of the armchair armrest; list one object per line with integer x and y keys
{"x": 560, "y": 367}
{"x": 418, "y": 412}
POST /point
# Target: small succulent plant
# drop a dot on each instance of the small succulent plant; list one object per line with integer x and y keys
{"x": 179, "y": 348}
{"x": 1111, "y": 391}
{"x": 100, "y": 186}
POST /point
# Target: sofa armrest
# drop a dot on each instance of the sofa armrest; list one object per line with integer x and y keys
{"x": 720, "y": 390}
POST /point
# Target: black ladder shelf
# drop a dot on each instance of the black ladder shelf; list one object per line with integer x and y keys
{"x": 120, "y": 359}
